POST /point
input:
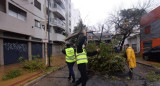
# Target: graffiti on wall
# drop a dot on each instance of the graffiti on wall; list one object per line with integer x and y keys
{"x": 15, "y": 46}
{"x": 13, "y": 49}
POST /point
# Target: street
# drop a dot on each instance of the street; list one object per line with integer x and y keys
{"x": 59, "y": 78}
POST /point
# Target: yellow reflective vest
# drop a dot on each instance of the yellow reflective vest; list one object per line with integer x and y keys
{"x": 131, "y": 57}
{"x": 82, "y": 57}
{"x": 70, "y": 56}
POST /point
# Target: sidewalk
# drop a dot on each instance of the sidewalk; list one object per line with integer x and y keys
{"x": 152, "y": 63}
{"x": 26, "y": 76}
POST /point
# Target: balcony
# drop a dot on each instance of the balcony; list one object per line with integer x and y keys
{"x": 59, "y": 12}
{"x": 57, "y": 23}
{"x": 61, "y": 2}
{"x": 59, "y": 37}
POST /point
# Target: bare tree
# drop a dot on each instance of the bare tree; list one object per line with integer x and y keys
{"x": 126, "y": 20}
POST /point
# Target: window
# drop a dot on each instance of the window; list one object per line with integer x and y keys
{"x": 43, "y": 27}
{"x": 69, "y": 22}
{"x": 3, "y": 5}
{"x": 107, "y": 36}
{"x": 69, "y": 14}
{"x": 148, "y": 30}
{"x": 70, "y": 29}
{"x": 17, "y": 12}
{"x": 69, "y": 6}
{"x": 91, "y": 37}
{"x": 37, "y": 24}
{"x": 37, "y": 4}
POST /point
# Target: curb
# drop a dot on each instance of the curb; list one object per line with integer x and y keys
{"x": 144, "y": 64}
{"x": 148, "y": 65}
{"x": 41, "y": 77}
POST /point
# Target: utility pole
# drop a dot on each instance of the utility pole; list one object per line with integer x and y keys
{"x": 46, "y": 51}
{"x": 48, "y": 31}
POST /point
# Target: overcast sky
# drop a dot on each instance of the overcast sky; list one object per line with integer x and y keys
{"x": 96, "y": 11}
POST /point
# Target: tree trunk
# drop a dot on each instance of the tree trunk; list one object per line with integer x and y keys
{"x": 122, "y": 42}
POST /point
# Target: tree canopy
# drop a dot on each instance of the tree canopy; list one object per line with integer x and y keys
{"x": 126, "y": 21}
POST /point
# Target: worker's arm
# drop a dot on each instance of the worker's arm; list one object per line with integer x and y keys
{"x": 80, "y": 44}
{"x": 93, "y": 53}
{"x": 63, "y": 51}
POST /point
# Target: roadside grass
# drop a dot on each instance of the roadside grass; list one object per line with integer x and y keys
{"x": 12, "y": 74}
{"x": 158, "y": 66}
{"x": 152, "y": 76}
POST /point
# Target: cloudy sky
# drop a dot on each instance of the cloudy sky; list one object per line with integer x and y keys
{"x": 97, "y": 11}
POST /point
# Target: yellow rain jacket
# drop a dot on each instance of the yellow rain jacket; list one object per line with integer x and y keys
{"x": 131, "y": 57}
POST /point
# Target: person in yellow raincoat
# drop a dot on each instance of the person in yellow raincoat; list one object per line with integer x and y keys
{"x": 130, "y": 59}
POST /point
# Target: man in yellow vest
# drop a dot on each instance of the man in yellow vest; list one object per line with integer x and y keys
{"x": 130, "y": 59}
{"x": 70, "y": 60}
{"x": 82, "y": 61}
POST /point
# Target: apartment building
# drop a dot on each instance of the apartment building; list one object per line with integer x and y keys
{"x": 22, "y": 28}
{"x": 68, "y": 16}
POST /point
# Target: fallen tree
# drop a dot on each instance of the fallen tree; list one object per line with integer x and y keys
{"x": 107, "y": 60}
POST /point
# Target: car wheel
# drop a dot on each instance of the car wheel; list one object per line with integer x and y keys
{"x": 146, "y": 58}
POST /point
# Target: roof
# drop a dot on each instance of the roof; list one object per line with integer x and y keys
{"x": 96, "y": 36}
{"x": 150, "y": 17}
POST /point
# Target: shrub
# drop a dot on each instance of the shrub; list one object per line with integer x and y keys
{"x": 33, "y": 65}
{"x": 12, "y": 74}
{"x": 107, "y": 60}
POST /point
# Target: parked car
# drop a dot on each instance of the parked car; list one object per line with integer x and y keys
{"x": 153, "y": 53}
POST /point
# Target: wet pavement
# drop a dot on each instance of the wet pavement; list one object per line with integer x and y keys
{"x": 59, "y": 78}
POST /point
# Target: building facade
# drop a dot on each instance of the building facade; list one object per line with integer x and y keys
{"x": 134, "y": 41}
{"x": 22, "y": 28}
{"x": 150, "y": 30}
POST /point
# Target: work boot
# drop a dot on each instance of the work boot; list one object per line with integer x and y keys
{"x": 73, "y": 77}
{"x": 69, "y": 78}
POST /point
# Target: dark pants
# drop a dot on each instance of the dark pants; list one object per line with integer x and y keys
{"x": 83, "y": 71}
{"x": 70, "y": 67}
{"x": 131, "y": 73}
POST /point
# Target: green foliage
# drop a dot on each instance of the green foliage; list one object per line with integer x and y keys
{"x": 12, "y": 74}
{"x": 107, "y": 60}
{"x": 33, "y": 65}
{"x": 80, "y": 27}
{"x": 114, "y": 41}
{"x": 153, "y": 76}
